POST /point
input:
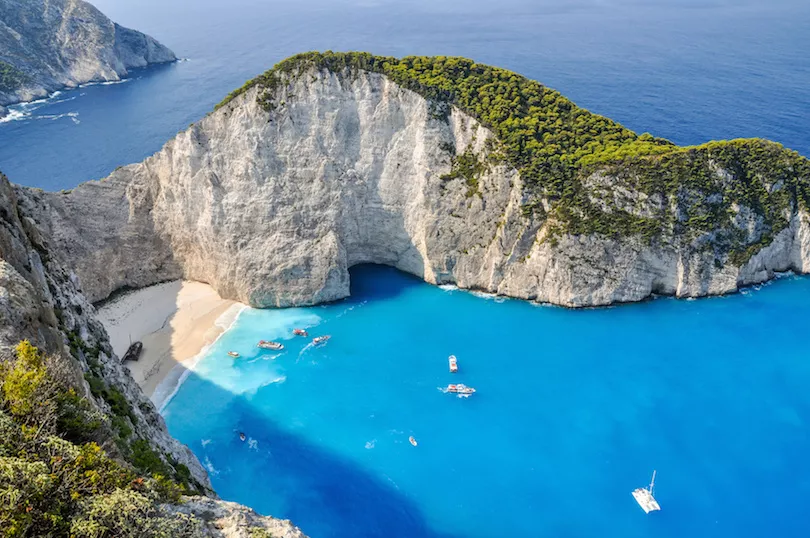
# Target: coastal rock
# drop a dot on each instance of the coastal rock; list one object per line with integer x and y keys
{"x": 40, "y": 301}
{"x": 48, "y": 45}
{"x": 273, "y": 207}
{"x": 230, "y": 520}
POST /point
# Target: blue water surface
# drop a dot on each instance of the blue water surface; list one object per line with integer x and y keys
{"x": 687, "y": 70}
{"x": 574, "y": 409}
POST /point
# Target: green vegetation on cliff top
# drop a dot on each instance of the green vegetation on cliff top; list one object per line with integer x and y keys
{"x": 558, "y": 146}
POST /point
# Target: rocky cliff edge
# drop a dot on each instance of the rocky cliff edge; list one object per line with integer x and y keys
{"x": 272, "y": 205}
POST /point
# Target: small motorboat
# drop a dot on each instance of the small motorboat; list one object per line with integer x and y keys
{"x": 269, "y": 344}
{"x": 460, "y": 389}
{"x": 134, "y": 352}
{"x": 242, "y": 436}
{"x": 412, "y": 440}
{"x": 320, "y": 340}
{"x": 300, "y": 332}
{"x": 453, "y": 364}
{"x": 233, "y": 354}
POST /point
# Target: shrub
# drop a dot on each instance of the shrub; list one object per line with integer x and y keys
{"x": 129, "y": 514}
{"x": 11, "y": 78}
{"x": 54, "y": 482}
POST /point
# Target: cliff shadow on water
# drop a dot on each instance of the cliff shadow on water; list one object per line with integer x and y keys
{"x": 281, "y": 472}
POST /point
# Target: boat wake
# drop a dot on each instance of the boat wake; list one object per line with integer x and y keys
{"x": 277, "y": 381}
{"x": 210, "y": 467}
{"x": 304, "y": 350}
{"x": 349, "y": 309}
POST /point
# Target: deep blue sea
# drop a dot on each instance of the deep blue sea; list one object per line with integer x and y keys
{"x": 687, "y": 70}
{"x": 573, "y": 410}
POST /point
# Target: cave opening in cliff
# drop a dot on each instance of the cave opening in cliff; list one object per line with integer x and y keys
{"x": 375, "y": 281}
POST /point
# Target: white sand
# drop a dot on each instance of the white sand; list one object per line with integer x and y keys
{"x": 175, "y": 321}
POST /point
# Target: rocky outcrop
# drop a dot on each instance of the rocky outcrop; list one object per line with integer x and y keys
{"x": 40, "y": 301}
{"x": 272, "y": 208}
{"x": 47, "y": 45}
{"x": 230, "y": 520}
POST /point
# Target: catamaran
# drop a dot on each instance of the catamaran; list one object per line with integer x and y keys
{"x": 644, "y": 497}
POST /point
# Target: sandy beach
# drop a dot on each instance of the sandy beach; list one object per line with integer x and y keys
{"x": 175, "y": 321}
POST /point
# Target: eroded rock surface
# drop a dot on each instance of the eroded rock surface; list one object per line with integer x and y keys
{"x": 272, "y": 208}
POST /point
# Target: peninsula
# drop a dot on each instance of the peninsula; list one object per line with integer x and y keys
{"x": 49, "y": 45}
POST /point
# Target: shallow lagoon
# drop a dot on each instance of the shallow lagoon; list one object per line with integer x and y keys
{"x": 574, "y": 409}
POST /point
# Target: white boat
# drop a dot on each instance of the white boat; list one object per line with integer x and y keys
{"x": 320, "y": 340}
{"x": 460, "y": 389}
{"x": 233, "y": 353}
{"x": 266, "y": 344}
{"x": 412, "y": 440}
{"x": 644, "y": 497}
{"x": 453, "y": 364}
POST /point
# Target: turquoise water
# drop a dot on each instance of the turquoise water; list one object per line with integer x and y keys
{"x": 574, "y": 409}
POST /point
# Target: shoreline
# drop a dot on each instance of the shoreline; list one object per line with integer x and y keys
{"x": 9, "y": 111}
{"x": 177, "y": 322}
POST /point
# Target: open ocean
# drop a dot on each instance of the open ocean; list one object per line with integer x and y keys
{"x": 574, "y": 409}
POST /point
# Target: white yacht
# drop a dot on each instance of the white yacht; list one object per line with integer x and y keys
{"x": 644, "y": 497}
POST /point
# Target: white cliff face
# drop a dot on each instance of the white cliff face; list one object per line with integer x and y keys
{"x": 272, "y": 209}
{"x": 55, "y": 44}
{"x": 40, "y": 301}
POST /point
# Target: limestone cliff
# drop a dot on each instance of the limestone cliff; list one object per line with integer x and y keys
{"x": 272, "y": 197}
{"x": 40, "y": 301}
{"x": 47, "y": 45}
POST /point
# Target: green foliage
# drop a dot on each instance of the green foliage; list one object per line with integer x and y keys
{"x": 147, "y": 460}
{"x": 469, "y": 167}
{"x": 25, "y": 383}
{"x": 174, "y": 479}
{"x": 11, "y": 78}
{"x": 118, "y": 403}
{"x": 558, "y": 147}
{"x": 129, "y": 514}
{"x": 55, "y": 481}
